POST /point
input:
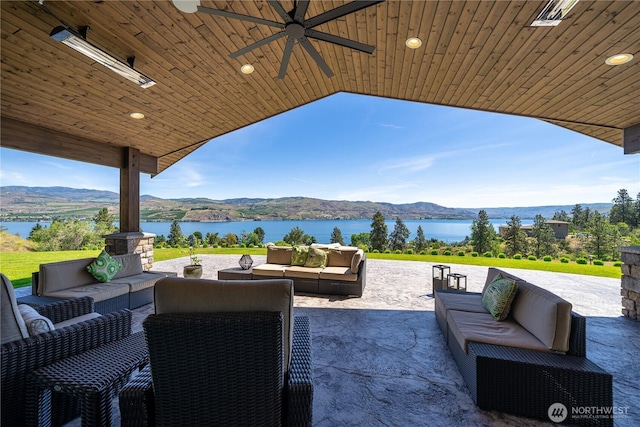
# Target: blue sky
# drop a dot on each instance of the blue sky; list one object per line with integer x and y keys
{"x": 350, "y": 147}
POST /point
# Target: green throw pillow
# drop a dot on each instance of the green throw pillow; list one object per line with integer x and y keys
{"x": 498, "y": 296}
{"x": 317, "y": 258}
{"x": 104, "y": 267}
{"x": 299, "y": 255}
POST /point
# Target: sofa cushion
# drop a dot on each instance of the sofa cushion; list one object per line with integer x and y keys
{"x": 97, "y": 291}
{"x": 462, "y": 301}
{"x": 13, "y": 326}
{"x": 482, "y": 327}
{"x": 302, "y": 272}
{"x": 299, "y": 255}
{"x": 317, "y": 258}
{"x": 279, "y": 255}
{"x": 131, "y": 265}
{"x": 74, "y": 320}
{"x": 338, "y": 273}
{"x": 56, "y": 276}
{"x": 179, "y": 295}
{"x": 140, "y": 281}
{"x": 340, "y": 257}
{"x": 270, "y": 270}
{"x": 36, "y": 323}
{"x": 498, "y": 296}
{"x": 544, "y": 314}
{"x": 104, "y": 267}
{"x": 355, "y": 261}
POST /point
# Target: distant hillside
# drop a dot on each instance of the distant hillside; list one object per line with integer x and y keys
{"x": 48, "y": 203}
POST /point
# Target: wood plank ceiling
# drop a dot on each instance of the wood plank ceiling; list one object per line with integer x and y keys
{"x": 480, "y": 55}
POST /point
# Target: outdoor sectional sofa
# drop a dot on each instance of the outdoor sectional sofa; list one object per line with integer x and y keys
{"x": 131, "y": 287}
{"x": 343, "y": 274}
{"x": 533, "y": 359}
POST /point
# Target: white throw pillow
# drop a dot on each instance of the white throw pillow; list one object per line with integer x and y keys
{"x": 36, "y": 322}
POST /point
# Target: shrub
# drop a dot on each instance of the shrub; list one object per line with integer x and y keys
{"x": 581, "y": 260}
{"x": 434, "y": 252}
{"x": 387, "y": 251}
{"x": 423, "y": 252}
{"x": 501, "y": 255}
{"x": 517, "y": 256}
{"x": 598, "y": 262}
{"x": 447, "y": 252}
{"x": 397, "y": 251}
{"x": 410, "y": 251}
{"x": 460, "y": 253}
{"x": 617, "y": 264}
{"x": 546, "y": 258}
{"x": 474, "y": 254}
{"x": 532, "y": 258}
{"x": 375, "y": 251}
{"x": 487, "y": 254}
{"x": 564, "y": 260}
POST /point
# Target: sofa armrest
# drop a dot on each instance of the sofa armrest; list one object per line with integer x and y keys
{"x": 62, "y": 310}
{"x": 300, "y": 384}
{"x": 137, "y": 401}
{"x": 578, "y": 336}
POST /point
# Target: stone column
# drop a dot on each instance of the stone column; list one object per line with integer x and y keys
{"x": 630, "y": 281}
{"x": 132, "y": 243}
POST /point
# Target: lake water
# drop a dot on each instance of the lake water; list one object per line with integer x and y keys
{"x": 448, "y": 231}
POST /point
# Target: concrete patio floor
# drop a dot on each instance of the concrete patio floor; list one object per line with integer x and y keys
{"x": 381, "y": 360}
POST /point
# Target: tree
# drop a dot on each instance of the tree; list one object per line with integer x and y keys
{"x": 260, "y": 233}
{"x": 577, "y": 217}
{"x": 543, "y": 237}
{"x": 399, "y": 235}
{"x": 514, "y": 238}
{"x": 298, "y": 237}
{"x": 378, "y": 232}
{"x": 622, "y": 209}
{"x": 361, "y": 240}
{"x": 561, "y": 216}
{"x": 197, "y": 235}
{"x": 636, "y": 212}
{"x": 420, "y": 242}
{"x": 600, "y": 231}
{"x": 211, "y": 239}
{"x": 175, "y": 237}
{"x": 336, "y": 236}
{"x": 229, "y": 239}
{"x": 103, "y": 221}
{"x": 482, "y": 233}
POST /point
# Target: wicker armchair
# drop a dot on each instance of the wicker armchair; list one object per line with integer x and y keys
{"x": 223, "y": 353}
{"x": 21, "y": 355}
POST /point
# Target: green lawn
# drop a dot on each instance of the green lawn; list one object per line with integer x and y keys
{"x": 18, "y": 266}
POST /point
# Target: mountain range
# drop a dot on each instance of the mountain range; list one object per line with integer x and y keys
{"x": 19, "y": 203}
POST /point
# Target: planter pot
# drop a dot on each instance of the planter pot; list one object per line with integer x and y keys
{"x": 193, "y": 271}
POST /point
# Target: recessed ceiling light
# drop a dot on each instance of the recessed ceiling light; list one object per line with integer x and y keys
{"x": 136, "y": 116}
{"x": 247, "y": 69}
{"x": 619, "y": 59}
{"x": 413, "y": 43}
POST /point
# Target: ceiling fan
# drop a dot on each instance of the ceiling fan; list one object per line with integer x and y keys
{"x": 294, "y": 26}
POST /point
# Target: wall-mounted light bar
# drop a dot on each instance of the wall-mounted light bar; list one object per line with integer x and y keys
{"x": 76, "y": 41}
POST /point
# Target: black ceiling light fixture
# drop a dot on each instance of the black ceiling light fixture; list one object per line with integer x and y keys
{"x": 294, "y": 26}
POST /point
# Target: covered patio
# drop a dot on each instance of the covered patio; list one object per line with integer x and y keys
{"x": 381, "y": 360}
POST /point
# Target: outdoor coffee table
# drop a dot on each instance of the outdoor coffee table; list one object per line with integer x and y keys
{"x": 94, "y": 376}
{"x": 236, "y": 273}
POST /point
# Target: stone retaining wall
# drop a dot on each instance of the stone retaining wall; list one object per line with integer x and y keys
{"x": 630, "y": 282}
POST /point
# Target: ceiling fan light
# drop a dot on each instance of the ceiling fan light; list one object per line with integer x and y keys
{"x": 413, "y": 43}
{"x": 247, "y": 69}
{"x": 187, "y": 6}
{"x": 137, "y": 116}
{"x": 621, "y": 58}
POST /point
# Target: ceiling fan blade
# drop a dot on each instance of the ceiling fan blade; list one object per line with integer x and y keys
{"x": 341, "y": 41}
{"x": 280, "y": 10}
{"x": 306, "y": 44}
{"x": 301, "y": 10}
{"x": 285, "y": 57}
{"x": 234, "y": 15}
{"x": 259, "y": 43}
{"x": 340, "y": 11}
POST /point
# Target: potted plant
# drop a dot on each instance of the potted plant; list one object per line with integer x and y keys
{"x": 194, "y": 269}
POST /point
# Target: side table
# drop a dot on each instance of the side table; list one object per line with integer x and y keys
{"x": 454, "y": 282}
{"x": 235, "y": 273}
{"x": 439, "y": 277}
